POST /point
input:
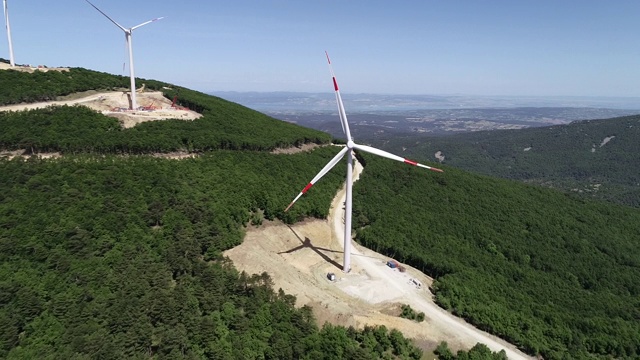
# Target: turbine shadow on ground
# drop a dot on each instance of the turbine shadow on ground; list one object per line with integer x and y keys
{"x": 306, "y": 243}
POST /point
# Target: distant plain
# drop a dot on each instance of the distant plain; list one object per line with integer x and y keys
{"x": 374, "y": 116}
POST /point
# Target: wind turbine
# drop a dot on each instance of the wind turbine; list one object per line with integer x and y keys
{"x": 6, "y": 21}
{"x": 127, "y": 35}
{"x": 348, "y": 150}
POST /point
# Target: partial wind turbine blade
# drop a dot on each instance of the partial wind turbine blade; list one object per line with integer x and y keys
{"x": 147, "y": 22}
{"x": 322, "y": 172}
{"x": 382, "y": 153}
{"x": 8, "y": 26}
{"x": 341, "y": 112}
{"x": 107, "y": 16}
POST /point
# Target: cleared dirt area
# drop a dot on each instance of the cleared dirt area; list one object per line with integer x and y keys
{"x": 30, "y": 69}
{"x": 10, "y": 154}
{"x": 112, "y": 103}
{"x": 300, "y": 256}
{"x": 295, "y": 149}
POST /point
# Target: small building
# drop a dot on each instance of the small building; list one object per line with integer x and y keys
{"x": 331, "y": 276}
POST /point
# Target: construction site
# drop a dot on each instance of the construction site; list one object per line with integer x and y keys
{"x": 153, "y": 106}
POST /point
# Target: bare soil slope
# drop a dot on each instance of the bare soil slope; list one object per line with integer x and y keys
{"x": 110, "y": 103}
{"x": 30, "y": 69}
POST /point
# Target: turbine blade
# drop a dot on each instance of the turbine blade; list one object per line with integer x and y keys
{"x": 382, "y": 153}
{"x": 146, "y": 22}
{"x": 341, "y": 112}
{"x": 107, "y": 16}
{"x": 322, "y": 172}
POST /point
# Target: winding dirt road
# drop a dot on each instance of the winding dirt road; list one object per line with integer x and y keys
{"x": 392, "y": 284}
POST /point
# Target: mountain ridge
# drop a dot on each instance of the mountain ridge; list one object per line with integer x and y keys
{"x": 81, "y": 233}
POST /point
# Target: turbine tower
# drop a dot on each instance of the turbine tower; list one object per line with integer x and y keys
{"x": 127, "y": 35}
{"x": 6, "y": 21}
{"x": 348, "y": 150}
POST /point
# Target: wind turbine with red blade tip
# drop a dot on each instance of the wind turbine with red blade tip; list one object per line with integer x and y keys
{"x": 127, "y": 35}
{"x": 351, "y": 145}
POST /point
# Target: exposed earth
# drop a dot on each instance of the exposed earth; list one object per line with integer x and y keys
{"x": 111, "y": 103}
{"x": 299, "y": 257}
{"x": 30, "y": 69}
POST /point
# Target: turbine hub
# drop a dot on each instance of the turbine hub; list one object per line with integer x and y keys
{"x": 350, "y": 144}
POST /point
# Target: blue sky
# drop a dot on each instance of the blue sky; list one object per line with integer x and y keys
{"x": 539, "y": 48}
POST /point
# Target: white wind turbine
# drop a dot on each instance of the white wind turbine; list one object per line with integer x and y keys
{"x": 127, "y": 34}
{"x": 348, "y": 150}
{"x": 6, "y": 21}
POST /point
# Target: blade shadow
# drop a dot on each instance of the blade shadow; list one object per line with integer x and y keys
{"x": 306, "y": 243}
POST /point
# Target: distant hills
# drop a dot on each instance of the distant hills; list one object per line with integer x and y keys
{"x": 595, "y": 158}
{"x": 588, "y": 151}
{"x": 290, "y": 102}
{"x": 373, "y": 116}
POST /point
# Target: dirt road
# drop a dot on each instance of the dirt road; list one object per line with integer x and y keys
{"x": 392, "y": 285}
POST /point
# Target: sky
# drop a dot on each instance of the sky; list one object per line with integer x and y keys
{"x": 436, "y": 47}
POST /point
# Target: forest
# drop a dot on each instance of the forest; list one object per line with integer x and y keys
{"x": 553, "y": 273}
{"x": 109, "y": 256}
{"x": 80, "y": 130}
{"x": 574, "y": 157}
{"x": 478, "y": 352}
{"x": 77, "y": 129}
{"x": 23, "y": 87}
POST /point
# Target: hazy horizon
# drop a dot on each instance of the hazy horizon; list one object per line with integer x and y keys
{"x": 358, "y": 102}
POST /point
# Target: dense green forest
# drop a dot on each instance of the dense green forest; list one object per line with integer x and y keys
{"x": 478, "y": 352}
{"x": 23, "y": 87}
{"x": 111, "y": 257}
{"x": 224, "y": 125}
{"x": 573, "y": 157}
{"x": 116, "y": 257}
{"x": 107, "y": 256}
{"x": 553, "y": 273}
{"x": 77, "y": 129}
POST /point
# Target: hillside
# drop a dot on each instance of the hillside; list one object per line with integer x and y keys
{"x": 110, "y": 256}
{"x": 109, "y": 252}
{"x": 76, "y": 129}
{"x": 555, "y": 274}
{"x": 596, "y": 158}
